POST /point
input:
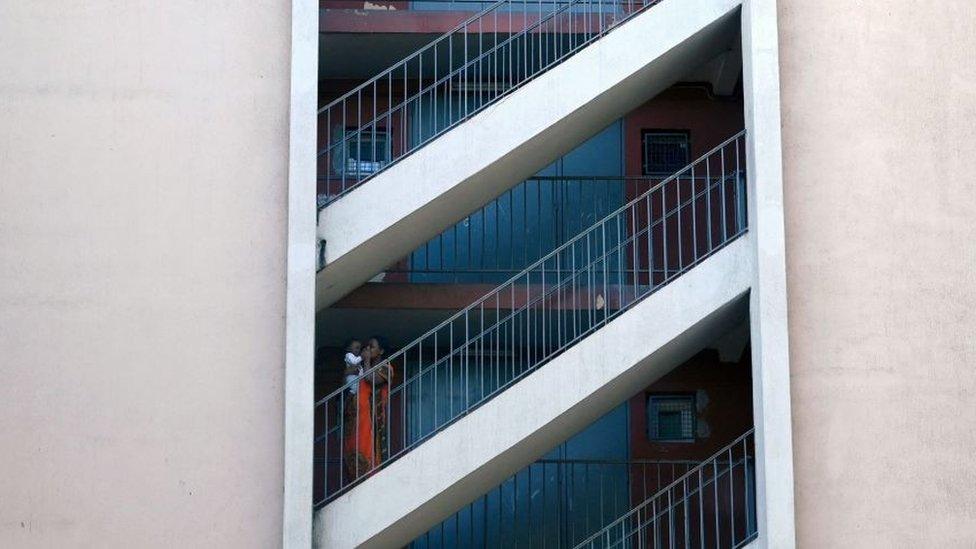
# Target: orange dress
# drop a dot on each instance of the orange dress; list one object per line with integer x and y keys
{"x": 365, "y": 441}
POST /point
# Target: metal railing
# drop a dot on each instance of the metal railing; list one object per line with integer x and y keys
{"x": 483, "y": 59}
{"x": 553, "y": 503}
{"x": 713, "y": 505}
{"x": 525, "y": 322}
{"x": 516, "y": 229}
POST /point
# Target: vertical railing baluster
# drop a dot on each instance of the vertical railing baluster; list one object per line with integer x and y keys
{"x": 654, "y": 521}
{"x": 542, "y": 301}
{"x": 739, "y": 209}
{"x": 664, "y": 230}
{"x": 481, "y": 350}
{"x": 650, "y": 241}
{"x": 679, "y": 233}
{"x": 634, "y": 240}
{"x": 359, "y": 132}
{"x": 694, "y": 217}
{"x": 494, "y": 55}
{"x": 618, "y": 250}
{"x": 559, "y": 304}
{"x": 540, "y": 33}
{"x": 372, "y": 124}
{"x": 435, "y": 367}
{"x": 725, "y": 205}
{"x": 746, "y": 487}
{"x": 389, "y": 117}
{"x": 701, "y": 511}
{"x": 685, "y": 502}
{"x": 342, "y": 437}
{"x": 403, "y": 112}
{"x": 450, "y": 374}
{"x": 343, "y": 148}
{"x": 670, "y": 519}
{"x": 329, "y": 155}
{"x": 731, "y": 498}
{"x": 715, "y": 501}
{"x": 481, "y": 97}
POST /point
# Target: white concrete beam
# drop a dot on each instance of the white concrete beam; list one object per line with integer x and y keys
{"x": 523, "y": 422}
{"x": 401, "y": 208}
{"x": 768, "y": 313}
{"x": 296, "y": 530}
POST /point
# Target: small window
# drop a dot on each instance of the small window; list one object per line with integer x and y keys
{"x": 362, "y": 154}
{"x": 665, "y": 152}
{"x": 671, "y": 418}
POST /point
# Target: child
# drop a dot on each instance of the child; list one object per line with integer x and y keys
{"x": 353, "y": 360}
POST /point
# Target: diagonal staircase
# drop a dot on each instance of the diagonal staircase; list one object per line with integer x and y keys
{"x": 447, "y": 129}
{"x": 500, "y": 382}
{"x": 712, "y": 505}
{"x": 554, "y": 503}
{"x": 604, "y": 503}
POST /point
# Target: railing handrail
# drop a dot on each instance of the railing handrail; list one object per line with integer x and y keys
{"x": 549, "y": 293}
{"x": 413, "y": 55}
{"x": 386, "y": 362}
{"x": 600, "y": 177}
{"x": 609, "y": 15}
{"x": 638, "y": 461}
{"x": 704, "y": 463}
{"x": 460, "y": 69}
{"x": 433, "y": 43}
{"x": 607, "y": 461}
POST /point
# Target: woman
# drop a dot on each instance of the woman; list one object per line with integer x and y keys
{"x": 366, "y": 442}
{"x": 381, "y": 400}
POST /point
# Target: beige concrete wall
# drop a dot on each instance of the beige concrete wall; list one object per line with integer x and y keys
{"x": 879, "y": 135}
{"x": 143, "y": 173}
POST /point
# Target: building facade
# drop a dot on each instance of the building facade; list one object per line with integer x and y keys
{"x": 624, "y": 272}
{"x": 607, "y": 200}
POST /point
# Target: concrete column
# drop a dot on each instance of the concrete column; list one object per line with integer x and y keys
{"x": 770, "y": 339}
{"x": 300, "y": 292}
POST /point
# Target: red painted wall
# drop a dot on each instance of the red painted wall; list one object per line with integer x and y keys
{"x": 710, "y": 120}
{"x": 724, "y": 392}
{"x": 724, "y": 401}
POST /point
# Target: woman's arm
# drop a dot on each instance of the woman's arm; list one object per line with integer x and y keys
{"x": 367, "y": 364}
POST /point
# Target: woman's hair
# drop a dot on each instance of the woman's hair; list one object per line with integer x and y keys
{"x": 382, "y": 342}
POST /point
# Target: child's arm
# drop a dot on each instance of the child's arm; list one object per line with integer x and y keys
{"x": 352, "y": 364}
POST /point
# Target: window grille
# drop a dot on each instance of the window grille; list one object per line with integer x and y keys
{"x": 665, "y": 152}
{"x": 671, "y": 418}
{"x": 364, "y": 154}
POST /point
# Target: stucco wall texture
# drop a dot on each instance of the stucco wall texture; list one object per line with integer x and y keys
{"x": 879, "y": 139}
{"x": 143, "y": 178}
